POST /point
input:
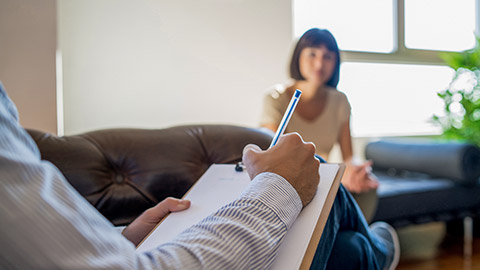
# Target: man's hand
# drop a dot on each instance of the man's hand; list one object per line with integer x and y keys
{"x": 291, "y": 158}
{"x": 358, "y": 178}
{"x": 141, "y": 226}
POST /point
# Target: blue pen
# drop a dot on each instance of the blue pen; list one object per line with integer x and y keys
{"x": 286, "y": 117}
{"x": 281, "y": 128}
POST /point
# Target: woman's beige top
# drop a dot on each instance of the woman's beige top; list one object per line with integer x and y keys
{"x": 323, "y": 131}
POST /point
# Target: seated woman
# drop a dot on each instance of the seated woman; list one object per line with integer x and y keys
{"x": 322, "y": 115}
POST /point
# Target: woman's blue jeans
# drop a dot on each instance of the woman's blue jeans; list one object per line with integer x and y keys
{"x": 346, "y": 241}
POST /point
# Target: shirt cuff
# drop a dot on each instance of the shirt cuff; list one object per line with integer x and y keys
{"x": 120, "y": 228}
{"x": 277, "y": 194}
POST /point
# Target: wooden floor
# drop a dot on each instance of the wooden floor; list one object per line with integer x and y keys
{"x": 450, "y": 256}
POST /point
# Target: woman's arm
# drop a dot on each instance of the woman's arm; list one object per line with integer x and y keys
{"x": 345, "y": 141}
{"x": 358, "y": 177}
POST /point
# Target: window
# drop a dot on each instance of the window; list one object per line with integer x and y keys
{"x": 449, "y": 26}
{"x": 389, "y": 104}
{"x": 370, "y": 30}
{"x": 391, "y": 70}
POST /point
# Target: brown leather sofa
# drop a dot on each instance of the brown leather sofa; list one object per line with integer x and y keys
{"x": 122, "y": 172}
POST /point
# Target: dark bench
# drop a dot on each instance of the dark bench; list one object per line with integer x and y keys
{"x": 426, "y": 181}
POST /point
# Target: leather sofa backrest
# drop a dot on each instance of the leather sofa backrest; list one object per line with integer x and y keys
{"x": 122, "y": 172}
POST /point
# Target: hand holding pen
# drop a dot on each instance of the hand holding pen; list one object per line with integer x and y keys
{"x": 283, "y": 124}
{"x": 301, "y": 171}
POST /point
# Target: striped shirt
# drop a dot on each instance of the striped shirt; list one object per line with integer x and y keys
{"x": 46, "y": 224}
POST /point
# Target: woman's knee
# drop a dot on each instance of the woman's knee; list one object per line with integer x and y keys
{"x": 351, "y": 251}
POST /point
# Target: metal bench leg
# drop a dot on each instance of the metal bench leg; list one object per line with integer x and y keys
{"x": 467, "y": 237}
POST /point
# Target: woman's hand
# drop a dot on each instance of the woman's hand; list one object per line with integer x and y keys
{"x": 358, "y": 178}
{"x": 141, "y": 226}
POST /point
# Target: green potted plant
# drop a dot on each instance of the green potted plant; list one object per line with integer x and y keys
{"x": 462, "y": 98}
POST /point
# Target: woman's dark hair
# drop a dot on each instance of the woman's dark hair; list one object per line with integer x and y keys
{"x": 315, "y": 38}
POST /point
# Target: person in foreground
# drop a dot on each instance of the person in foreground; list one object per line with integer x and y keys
{"x": 46, "y": 224}
{"x": 322, "y": 115}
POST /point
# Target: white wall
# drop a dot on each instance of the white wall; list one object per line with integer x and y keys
{"x": 158, "y": 63}
{"x": 27, "y": 60}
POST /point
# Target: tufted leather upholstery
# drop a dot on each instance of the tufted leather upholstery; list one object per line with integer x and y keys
{"x": 122, "y": 172}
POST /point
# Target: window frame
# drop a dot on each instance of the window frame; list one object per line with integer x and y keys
{"x": 401, "y": 54}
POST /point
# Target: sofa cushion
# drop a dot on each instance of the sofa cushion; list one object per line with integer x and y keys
{"x": 417, "y": 198}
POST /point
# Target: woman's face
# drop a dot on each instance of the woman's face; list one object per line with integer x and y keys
{"x": 317, "y": 64}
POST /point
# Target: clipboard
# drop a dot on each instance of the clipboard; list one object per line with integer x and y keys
{"x": 322, "y": 220}
{"x": 221, "y": 184}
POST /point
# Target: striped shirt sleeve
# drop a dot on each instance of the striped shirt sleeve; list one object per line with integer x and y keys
{"x": 244, "y": 234}
{"x": 46, "y": 224}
